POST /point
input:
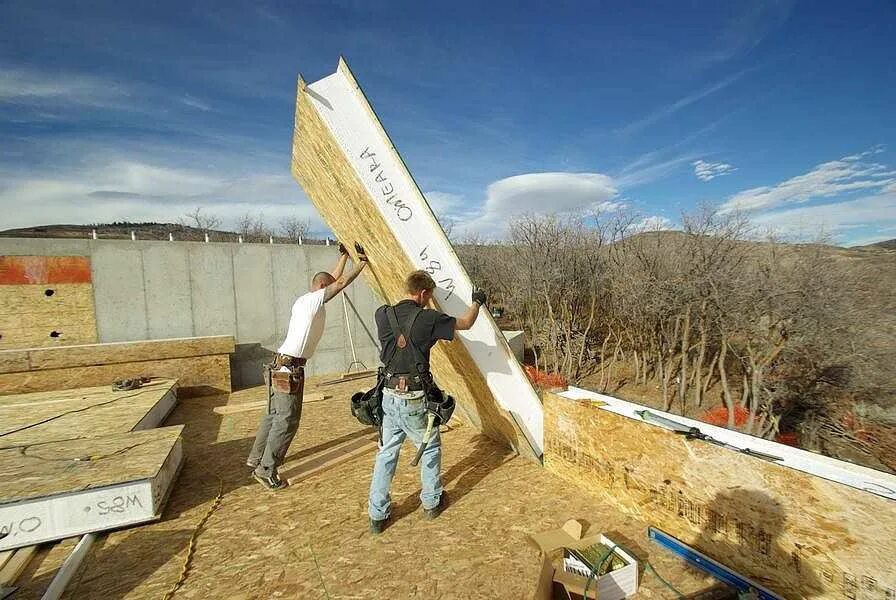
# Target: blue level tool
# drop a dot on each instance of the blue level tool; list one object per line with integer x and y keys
{"x": 705, "y": 563}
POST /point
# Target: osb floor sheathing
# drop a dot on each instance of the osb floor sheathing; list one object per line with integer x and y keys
{"x": 310, "y": 541}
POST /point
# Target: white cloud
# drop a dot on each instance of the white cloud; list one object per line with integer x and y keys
{"x": 847, "y": 174}
{"x": 445, "y": 204}
{"x": 707, "y": 171}
{"x": 544, "y": 193}
{"x": 133, "y": 189}
{"x": 652, "y": 223}
{"x": 876, "y": 214}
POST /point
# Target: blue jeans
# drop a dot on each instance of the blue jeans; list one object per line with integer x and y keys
{"x": 404, "y": 416}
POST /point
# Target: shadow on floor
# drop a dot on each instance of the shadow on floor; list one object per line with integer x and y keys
{"x": 466, "y": 474}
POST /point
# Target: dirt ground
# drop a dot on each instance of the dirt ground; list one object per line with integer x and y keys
{"x": 310, "y": 540}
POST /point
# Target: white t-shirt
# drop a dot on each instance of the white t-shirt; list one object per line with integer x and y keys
{"x": 306, "y": 325}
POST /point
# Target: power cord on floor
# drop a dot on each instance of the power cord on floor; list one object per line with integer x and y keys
{"x": 185, "y": 570}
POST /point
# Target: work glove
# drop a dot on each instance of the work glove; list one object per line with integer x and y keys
{"x": 362, "y": 256}
{"x": 479, "y": 296}
{"x": 342, "y": 249}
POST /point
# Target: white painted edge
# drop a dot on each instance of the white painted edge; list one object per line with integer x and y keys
{"x": 52, "y": 518}
{"x": 343, "y": 108}
{"x": 832, "y": 469}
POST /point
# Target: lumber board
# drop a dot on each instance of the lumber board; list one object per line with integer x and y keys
{"x": 796, "y": 533}
{"x": 16, "y": 564}
{"x": 197, "y": 375}
{"x": 12, "y": 361}
{"x": 53, "y": 490}
{"x": 337, "y": 140}
{"x": 42, "y": 417}
{"x": 120, "y": 352}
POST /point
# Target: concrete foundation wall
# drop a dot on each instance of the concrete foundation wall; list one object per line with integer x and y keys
{"x": 157, "y": 289}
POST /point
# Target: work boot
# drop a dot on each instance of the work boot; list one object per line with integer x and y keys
{"x": 271, "y": 482}
{"x": 435, "y": 511}
{"x": 376, "y": 527}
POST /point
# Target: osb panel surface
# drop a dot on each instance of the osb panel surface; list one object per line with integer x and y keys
{"x": 120, "y": 352}
{"x": 321, "y": 168}
{"x": 800, "y": 535}
{"x": 28, "y": 315}
{"x": 44, "y": 469}
{"x": 196, "y": 374}
{"x": 310, "y": 541}
{"x": 62, "y": 415}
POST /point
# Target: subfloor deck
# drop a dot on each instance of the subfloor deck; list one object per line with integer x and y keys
{"x": 310, "y": 541}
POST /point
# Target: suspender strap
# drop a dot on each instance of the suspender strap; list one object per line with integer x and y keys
{"x": 402, "y": 339}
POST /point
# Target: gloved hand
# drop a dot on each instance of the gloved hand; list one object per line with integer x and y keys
{"x": 479, "y": 296}
{"x": 342, "y": 249}
{"x": 362, "y": 256}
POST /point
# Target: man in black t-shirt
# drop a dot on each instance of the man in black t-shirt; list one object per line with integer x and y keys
{"x": 405, "y": 358}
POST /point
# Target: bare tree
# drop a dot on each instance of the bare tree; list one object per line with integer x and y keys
{"x": 200, "y": 219}
{"x": 295, "y": 228}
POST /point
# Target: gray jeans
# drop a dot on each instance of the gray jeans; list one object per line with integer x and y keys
{"x": 275, "y": 432}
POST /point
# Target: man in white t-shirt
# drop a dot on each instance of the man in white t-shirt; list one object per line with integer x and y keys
{"x": 286, "y": 375}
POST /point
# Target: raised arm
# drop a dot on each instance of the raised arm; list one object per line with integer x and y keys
{"x": 466, "y": 320}
{"x": 340, "y": 264}
{"x": 345, "y": 279}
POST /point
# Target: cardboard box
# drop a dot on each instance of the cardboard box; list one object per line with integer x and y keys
{"x": 615, "y": 585}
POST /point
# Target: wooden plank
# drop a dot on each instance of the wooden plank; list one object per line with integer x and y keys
{"x": 195, "y": 374}
{"x": 5, "y": 556}
{"x": 321, "y": 164}
{"x": 53, "y": 490}
{"x": 14, "y": 360}
{"x": 16, "y": 565}
{"x": 798, "y": 534}
{"x": 42, "y": 417}
{"x": 122, "y": 352}
{"x": 17, "y": 270}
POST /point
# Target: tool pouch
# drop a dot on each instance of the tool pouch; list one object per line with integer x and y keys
{"x": 367, "y": 406}
{"x": 286, "y": 383}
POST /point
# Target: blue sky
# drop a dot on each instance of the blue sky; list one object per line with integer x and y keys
{"x": 782, "y": 110}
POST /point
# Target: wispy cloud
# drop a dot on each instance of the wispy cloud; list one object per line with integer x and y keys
{"x": 29, "y": 86}
{"x": 195, "y": 103}
{"x": 670, "y": 109}
{"x": 750, "y": 24}
{"x": 848, "y": 174}
{"x": 650, "y": 167}
{"x": 707, "y": 171}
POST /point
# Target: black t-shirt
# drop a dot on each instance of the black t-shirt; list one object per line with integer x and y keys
{"x": 430, "y": 327}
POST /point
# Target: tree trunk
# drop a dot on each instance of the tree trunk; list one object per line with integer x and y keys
{"x": 683, "y": 369}
{"x": 723, "y": 378}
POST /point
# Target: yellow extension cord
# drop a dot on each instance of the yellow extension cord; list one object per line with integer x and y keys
{"x": 185, "y": 570}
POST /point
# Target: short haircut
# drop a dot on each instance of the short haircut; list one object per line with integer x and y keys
{"x": 419, "y": 281}
{"x": 322, "y": 278}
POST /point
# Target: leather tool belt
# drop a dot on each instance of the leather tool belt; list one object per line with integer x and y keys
{"x": 292, "y": 382}
{"x": 404, "y": 383}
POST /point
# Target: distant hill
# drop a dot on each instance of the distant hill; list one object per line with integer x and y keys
{"x": 145, "y": 231}
{"x": 885, "y": 245}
